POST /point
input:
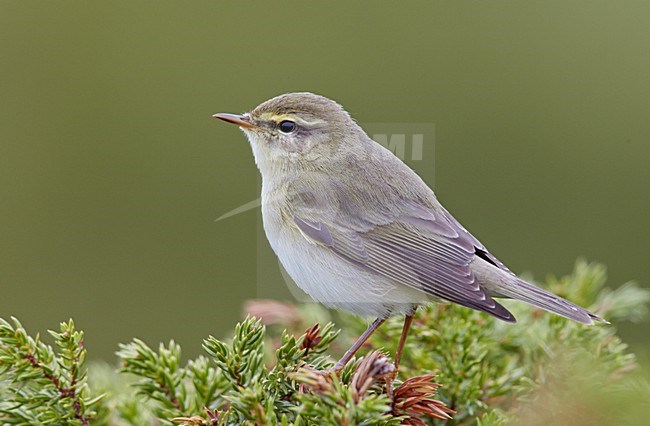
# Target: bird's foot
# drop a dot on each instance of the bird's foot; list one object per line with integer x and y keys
{"x": 389, "y": 379}
{"x": 335, "y": 369}
{"x": 327, "y": 372}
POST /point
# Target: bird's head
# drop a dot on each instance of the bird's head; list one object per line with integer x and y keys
{"x": 297, "y": 130}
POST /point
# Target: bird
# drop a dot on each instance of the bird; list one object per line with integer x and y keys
{"x": 357, "y": 229}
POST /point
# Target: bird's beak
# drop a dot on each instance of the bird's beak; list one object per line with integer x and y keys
{"x": 240, "y": 120}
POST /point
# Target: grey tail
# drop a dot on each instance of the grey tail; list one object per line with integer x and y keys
{"x": 499, "y": 283}
{"x": 543, "y": 299}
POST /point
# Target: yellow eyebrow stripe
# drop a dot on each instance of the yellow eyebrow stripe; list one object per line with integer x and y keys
{"x": 277, "y": 118}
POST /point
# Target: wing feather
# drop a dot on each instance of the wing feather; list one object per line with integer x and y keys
{"x": 419, "y": 247}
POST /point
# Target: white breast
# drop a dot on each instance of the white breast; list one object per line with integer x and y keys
{"x": 330, "y": 279}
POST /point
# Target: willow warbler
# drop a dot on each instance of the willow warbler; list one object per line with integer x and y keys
{"x": 357, "y": 229}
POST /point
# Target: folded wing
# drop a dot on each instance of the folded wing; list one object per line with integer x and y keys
{"x": 417, "y": 246}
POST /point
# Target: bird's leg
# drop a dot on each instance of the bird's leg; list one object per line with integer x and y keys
{"x": 355, "y": 347}
{"x": 408, "y": 319}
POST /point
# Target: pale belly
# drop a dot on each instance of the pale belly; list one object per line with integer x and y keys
{"x": 333, "y": 281}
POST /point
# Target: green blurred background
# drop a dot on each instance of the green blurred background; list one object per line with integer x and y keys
{"x": 112, "y": 171}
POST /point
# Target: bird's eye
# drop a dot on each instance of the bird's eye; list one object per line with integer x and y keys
{"x": 287, "y": 126}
